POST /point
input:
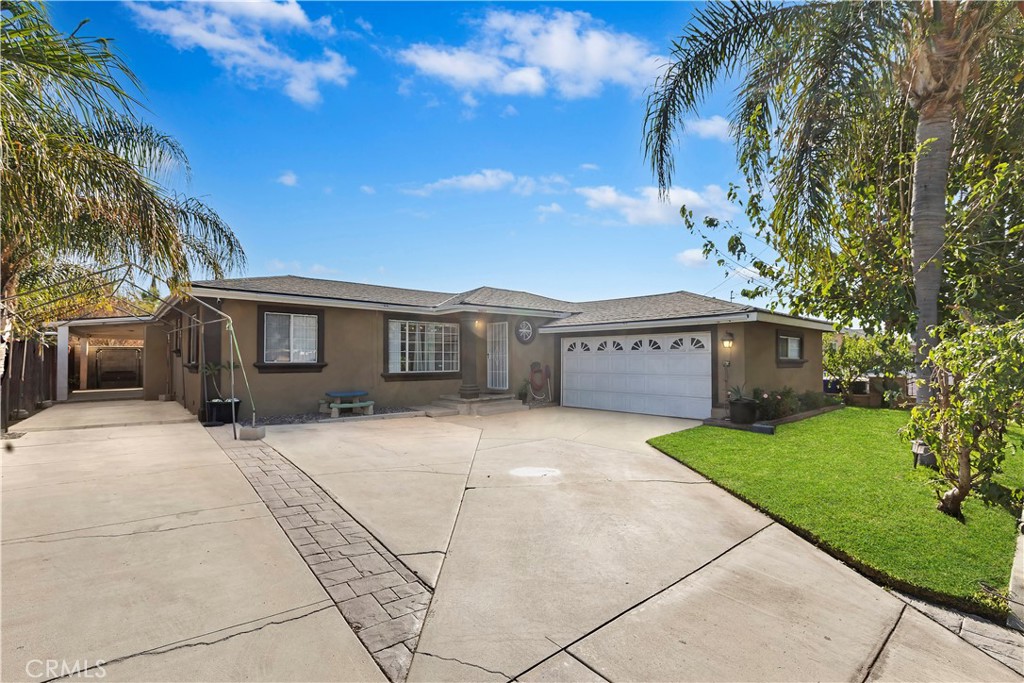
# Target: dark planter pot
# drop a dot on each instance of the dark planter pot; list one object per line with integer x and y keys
{"x": 220, "y": 411}
{"x": 743, "y": 411}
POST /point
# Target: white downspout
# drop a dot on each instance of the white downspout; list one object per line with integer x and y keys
{"x": 62, "y": 362}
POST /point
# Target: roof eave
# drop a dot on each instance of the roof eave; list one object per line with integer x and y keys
{"x": 745, "y": 317}
{"x": 440, "y": 309}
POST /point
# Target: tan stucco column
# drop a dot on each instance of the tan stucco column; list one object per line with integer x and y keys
{"x": 83, "y": 363}
{"x": 467, "y": 355}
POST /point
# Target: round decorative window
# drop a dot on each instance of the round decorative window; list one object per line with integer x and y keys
{"x": 524, "y": 331}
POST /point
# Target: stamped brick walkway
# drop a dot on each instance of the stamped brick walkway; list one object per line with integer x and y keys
{"x": 380, "y": 598}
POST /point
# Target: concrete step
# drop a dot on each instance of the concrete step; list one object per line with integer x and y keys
{"x": 439, "y": 411}
{"x": 497, "y": 407}
{"x": 432, "y": 410}
{"x": 447, "y": 403}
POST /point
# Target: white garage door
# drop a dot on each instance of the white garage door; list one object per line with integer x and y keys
{"x": 654, "y": 374}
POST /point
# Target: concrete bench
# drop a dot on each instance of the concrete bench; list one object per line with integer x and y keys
{"x": 361, "y": 407}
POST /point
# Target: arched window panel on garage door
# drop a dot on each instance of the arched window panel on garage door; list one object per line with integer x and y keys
{"x": 655, "y": 376}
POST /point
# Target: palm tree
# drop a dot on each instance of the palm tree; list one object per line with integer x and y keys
{"x": 812, "y": 74}
{"x": 84, "y": 181}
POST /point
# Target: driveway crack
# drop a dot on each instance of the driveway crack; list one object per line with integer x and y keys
{"x": 422, "y": 552}
{"x": 459, "y": 661}
{"x": 164, "y": 649}
{"x": 132, "y": 533}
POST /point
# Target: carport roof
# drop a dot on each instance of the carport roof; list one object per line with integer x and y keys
{"x": 114, "y": 327}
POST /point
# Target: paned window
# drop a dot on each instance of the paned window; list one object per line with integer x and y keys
{"x": 290, "y": 338}
{"x": 416, "y": 346}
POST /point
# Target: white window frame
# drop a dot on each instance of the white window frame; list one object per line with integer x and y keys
{"x": 413, "y": 350}
{"x": 291, "y": 336}
{"x": 784, "y": 349}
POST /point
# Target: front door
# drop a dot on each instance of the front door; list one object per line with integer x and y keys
{"x": 497, "y": 356}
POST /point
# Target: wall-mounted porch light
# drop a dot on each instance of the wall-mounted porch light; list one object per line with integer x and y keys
{"x": 728, "y": 339}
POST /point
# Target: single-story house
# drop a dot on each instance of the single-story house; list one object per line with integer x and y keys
{"x": 672, "y": 354}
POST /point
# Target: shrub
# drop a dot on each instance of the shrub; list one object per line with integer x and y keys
{"x": 977, "y": 383}
{"x": 812, "y": 400}
{"x": 775, "y": 404}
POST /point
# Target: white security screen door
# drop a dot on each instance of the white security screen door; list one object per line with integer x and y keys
{"x": 654, "y": 374}
{"x": 497, "y": 356}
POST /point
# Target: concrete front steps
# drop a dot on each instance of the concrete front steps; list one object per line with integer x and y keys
{"x": 486, "y": 404}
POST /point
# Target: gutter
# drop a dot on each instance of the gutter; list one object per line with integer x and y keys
{"x": 753, "y": 316}
{"x": 366, "y": 305}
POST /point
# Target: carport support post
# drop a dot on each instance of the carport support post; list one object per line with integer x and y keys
{"x": 62, "y": 362}
{"x": 83, "y": 363}
{"x": 467, "y": 356}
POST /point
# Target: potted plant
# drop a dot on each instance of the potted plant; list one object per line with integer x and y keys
{"x": 523, "y": 392}
{"x": 742, "y": 409}
{"x": 220, "y": 409}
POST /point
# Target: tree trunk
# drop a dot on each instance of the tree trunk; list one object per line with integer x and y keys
{"x": 928, "y": 228}
{"x": 951, "y": 500}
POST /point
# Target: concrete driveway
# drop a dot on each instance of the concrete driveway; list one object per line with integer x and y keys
{"x": 562, "y": 547}
{"x": 133, "y": 549}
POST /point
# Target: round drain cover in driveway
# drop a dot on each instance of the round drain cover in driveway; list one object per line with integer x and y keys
{"x": 534, "y": 472}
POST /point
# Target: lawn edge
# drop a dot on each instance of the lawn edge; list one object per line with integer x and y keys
{"x": 873, "y": 573}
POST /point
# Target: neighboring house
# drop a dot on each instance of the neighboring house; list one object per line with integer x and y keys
{"x": 666, "y": 354}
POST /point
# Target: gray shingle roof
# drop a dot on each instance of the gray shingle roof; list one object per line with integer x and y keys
{"x": 509, "y": 298}
{"x": 652, "y": 307}
{"x": 328, "y": 289}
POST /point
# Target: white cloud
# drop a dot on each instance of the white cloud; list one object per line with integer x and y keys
{"x": 746, "y": 272}
{"x": 368, "y": 189}
{"x": 487, "y": 180}
{"x": 494, "y": 179}
{"x": 544, "y": 211}
{"x": 717, "y": 128}
{"x": 235, "y": 35}
{"x": 364, "y": 24}
{"x": 589, "y": 167}
{"x": 277, "y": 266}
{"x": 692, "y": 258}
{"x": 470, "y": 101}
{"x": 288, "y": 178}
{"x": 645, "y": 207}
{"x": 529, "y": 53}
{"x": 320, "y": 269}
{"x": 509, "y": 111}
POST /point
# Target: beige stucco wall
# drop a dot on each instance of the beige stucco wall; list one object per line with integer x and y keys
{"x": 761, "y": 368}
{"x": 354, "y": 350}
{"x": 751, "y": 361}
{"x": 185, "y": 380}
{"x": 154, "y": 362}
{"x": 540, "y": 350}
{"x": 354, "y": 353}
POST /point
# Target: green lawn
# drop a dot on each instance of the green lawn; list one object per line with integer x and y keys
{"x": 845, "y": 480}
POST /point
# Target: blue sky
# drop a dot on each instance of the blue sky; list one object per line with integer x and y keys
{"x": 428, "y": 145}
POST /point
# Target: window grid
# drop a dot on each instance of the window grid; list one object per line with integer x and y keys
{"x": 289, "y": 338}
{"x": 415, "y": 346}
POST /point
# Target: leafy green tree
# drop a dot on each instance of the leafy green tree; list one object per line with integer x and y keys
{"x": 848, "y": 116}
{"x": 978, "y": 382}
{"x": 848, "y": 357}
{"x": 85, "y": 183}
